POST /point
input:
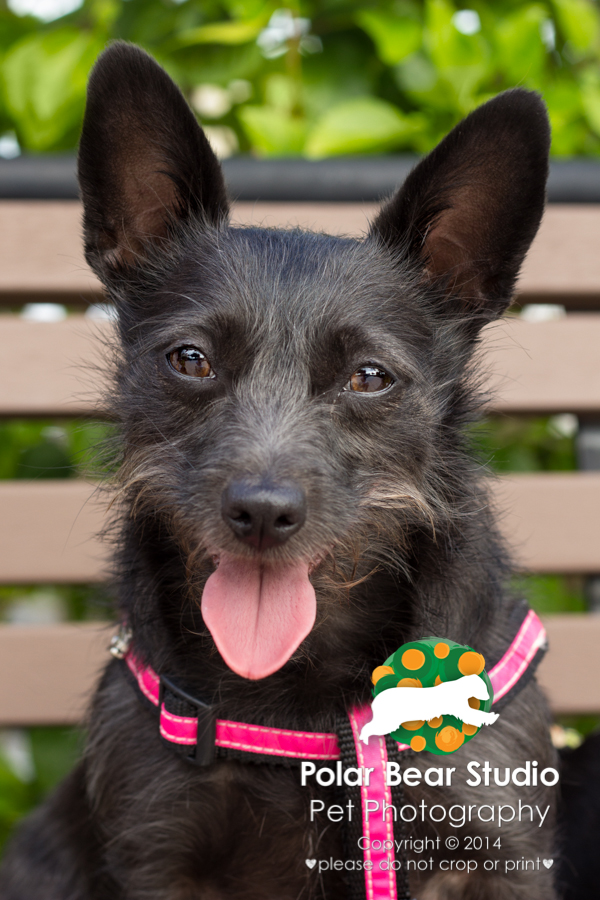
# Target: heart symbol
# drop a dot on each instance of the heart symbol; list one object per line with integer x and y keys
{"x": 547, "y": 862}
{"x": 311, "y": 863}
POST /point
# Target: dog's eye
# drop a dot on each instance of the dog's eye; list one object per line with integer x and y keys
{"x": 369, "y": 380}
{"x": 190, "y": 361}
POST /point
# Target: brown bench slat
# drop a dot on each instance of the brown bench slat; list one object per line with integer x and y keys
{"x": 59, "y": 368}
{"x": 48, "y": 532}
{"x": 41, "y": 256}
{"x": 47, "y": 528}
{"x": 552, "y": 520}
{"x": 544, "y": 367}
{"x": 52, "y": 368}
{"x": 49, "y": 671}
{"x": 52, "y": 669}
{"x": 570, "y": 671}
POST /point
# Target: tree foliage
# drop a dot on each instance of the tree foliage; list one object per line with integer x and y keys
{"x": 318, "y": 78}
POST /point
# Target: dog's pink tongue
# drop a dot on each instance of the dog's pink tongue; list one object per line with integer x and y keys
{"x": 258, "y": 615}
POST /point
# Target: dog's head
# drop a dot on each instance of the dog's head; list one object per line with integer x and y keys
{"x": 291, "y": 402}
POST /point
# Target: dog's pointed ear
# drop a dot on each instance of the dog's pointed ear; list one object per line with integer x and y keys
{"x": 145, "y": 164}
{"x": 468, "y": 212}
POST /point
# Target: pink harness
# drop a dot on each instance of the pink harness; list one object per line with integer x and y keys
{"x": 380, "y": 878}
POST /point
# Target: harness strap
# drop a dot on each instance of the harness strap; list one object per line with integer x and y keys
{"x": 385, "y": 881}
{"x": 352, "y": 831}
{"x": 521, "y": 659}
{"x": 188, "y": 725}
{"x": 529, "y": 642}
{"x": 278, "y": 742}
{"x": 378, "y": 830}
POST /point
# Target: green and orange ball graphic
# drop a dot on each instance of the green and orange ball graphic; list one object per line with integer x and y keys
{"x": 426, "y": 663}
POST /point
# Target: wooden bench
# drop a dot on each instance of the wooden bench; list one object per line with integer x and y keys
{"x": 48, "y": 528}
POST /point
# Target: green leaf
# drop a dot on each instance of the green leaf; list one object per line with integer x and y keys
{"x": 446, "y": 45}
{"x": 247, "y": 9}
{"x": 416, "y": 74}
{"x": 104, "y": 13}
{"x": 590, "y": 97}
{"x": 550, "y": 594}
{"x": 215, "y": 64}
{"x": 395, "y": 37}
{"x": 281, "y": 92}
{"x": 347, "y": 68}
{"x": 44, "y": 79}
{"x": 579, "y": 21}
{"x": 271, "y": 131}
{"x": 462, "y": 61}
{"x": 55, "y": 752}
{"x": 363, "y": 125}
{"x": 521, "y": 53}
{"x": 564, "y": 99}
{"x": 48, "y": 459}
{"x": 228, "y": 33}
{"x": 16, "y": 799}
{"x": 12, "y": 27}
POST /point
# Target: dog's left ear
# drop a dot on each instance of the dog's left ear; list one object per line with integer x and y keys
{"x": 145, "y": 164}
{"x": 468, "y": 212}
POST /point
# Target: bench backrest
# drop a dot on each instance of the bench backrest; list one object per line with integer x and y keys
{"x": 48, "y": 528}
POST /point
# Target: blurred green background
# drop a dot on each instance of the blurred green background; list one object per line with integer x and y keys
{"x": 314, "y": 78}
{"x": 309, "y": 79}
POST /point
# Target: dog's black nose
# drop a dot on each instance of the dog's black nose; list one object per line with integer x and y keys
{"x": 265, "y": 514}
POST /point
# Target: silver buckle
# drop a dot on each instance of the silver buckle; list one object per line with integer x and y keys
{"x": 119, "y": 643}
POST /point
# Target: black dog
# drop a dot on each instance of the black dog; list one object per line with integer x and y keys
{"x": 293, "y": 411}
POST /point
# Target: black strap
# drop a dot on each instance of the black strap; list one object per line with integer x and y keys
{"x": 396, "y": 755}
{"x": 355, "y": 880}
{"x": 177, "y": 704}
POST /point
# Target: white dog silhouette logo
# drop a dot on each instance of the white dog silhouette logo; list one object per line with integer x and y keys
{"x": 396, "y": 705}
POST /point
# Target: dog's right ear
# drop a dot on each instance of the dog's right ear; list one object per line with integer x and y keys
{"x": 145, "y": 164}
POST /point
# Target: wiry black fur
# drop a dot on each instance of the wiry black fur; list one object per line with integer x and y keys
{"x": 398, "y": 512}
